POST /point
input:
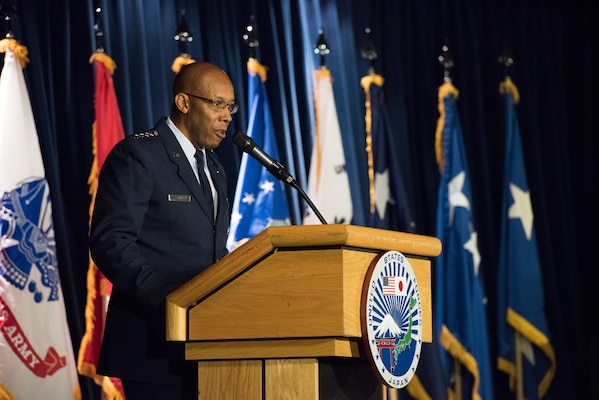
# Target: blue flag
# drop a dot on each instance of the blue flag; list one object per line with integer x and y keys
{"x": 388, "y": 199}
{"x": 460, "y": 321}
{"x": 389, "y": 209}
{"x": 260, "y": 199}
{"x": 521, "y": 311}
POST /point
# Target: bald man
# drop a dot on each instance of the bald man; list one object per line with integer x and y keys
{"x": 161, "y": 216}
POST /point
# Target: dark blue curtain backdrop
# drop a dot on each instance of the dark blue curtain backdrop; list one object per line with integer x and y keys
{"x": 555, "y": 45}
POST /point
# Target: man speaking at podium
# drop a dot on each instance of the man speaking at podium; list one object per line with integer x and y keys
{"x": 161, "y": 216}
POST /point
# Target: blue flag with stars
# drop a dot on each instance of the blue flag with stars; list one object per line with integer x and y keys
{"x": 388, "y": 199}
{"x": 389, "y": 209}
{"x": 522, "y": 324}
{"x": 260, "y": 199}
{"x": 460, "y": 317}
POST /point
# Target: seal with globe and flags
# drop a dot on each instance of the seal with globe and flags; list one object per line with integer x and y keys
{"x": 392, "y": 318}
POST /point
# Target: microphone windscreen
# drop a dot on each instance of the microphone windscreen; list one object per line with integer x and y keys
{"x": 242, "y": 140}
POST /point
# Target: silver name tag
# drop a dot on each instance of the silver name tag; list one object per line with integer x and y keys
{"x": 179, "y": 197}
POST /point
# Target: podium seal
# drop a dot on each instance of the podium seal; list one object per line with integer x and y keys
{"x": 391, "y": 317}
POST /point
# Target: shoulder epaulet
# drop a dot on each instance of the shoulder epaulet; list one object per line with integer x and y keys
{"x": 145, "y": 134}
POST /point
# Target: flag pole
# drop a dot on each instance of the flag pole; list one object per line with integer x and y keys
{"x": 446, "y": 60}
{"x": 457, "y": 377}
{"x": 507, "y": 60}
{"x": 183, "y": 35}
{"x": 321, "y": 47}
{"x": 7, "y": 10}
{"x": 368, "y": 52}
{"x": 519, "y": 367}
{"x": 107, "y": 129}
{"x": 251, "y": 37}
{"x": 36, "y": 318}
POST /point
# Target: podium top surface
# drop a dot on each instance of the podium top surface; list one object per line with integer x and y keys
{"x": 302, "y": 236}
{"x": 348, "y": 235}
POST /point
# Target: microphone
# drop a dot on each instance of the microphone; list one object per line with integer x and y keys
{"x": 246, "y": 144}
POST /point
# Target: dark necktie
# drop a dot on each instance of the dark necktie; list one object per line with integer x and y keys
{"x": 204, "y": 180}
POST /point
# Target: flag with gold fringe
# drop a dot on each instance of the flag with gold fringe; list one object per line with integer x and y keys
{"x": 107, "y": 130}
{"x": 328, "y": 182}
{"x": 525, "y": 350}
{"x": 260, "y": 199}
{"x": 460, "y": 318}
{"x": 36, "y": 353}
{"x": 389, "y": 209}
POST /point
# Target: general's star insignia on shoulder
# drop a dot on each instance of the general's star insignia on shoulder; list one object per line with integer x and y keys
{"x": 146, "y": 134}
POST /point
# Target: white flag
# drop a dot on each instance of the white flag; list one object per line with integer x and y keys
{"x": 36, "y": 354}
{"x": 328, "y": 183}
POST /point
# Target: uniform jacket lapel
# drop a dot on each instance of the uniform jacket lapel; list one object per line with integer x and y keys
{"x": 184, "y": 169}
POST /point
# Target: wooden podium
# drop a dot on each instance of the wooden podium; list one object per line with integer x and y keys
{"x": 259, "y": 320}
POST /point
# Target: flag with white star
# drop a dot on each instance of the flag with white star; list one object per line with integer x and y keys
{"x": 460, "y": 315}
{"x": 521, "y": 312}
{"x": 389, "y": 207}
{"x": 260, "y": 199}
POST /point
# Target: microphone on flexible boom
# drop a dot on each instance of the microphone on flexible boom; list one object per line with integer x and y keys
{"x": 245, "y": 143}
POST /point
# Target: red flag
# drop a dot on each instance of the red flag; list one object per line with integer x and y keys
{"x": 106, "y": 132}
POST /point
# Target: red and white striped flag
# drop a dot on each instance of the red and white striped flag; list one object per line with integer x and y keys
{"x": 394, "y": 286}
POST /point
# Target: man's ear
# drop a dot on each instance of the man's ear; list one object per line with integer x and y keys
{"x": 182, "y": 102}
